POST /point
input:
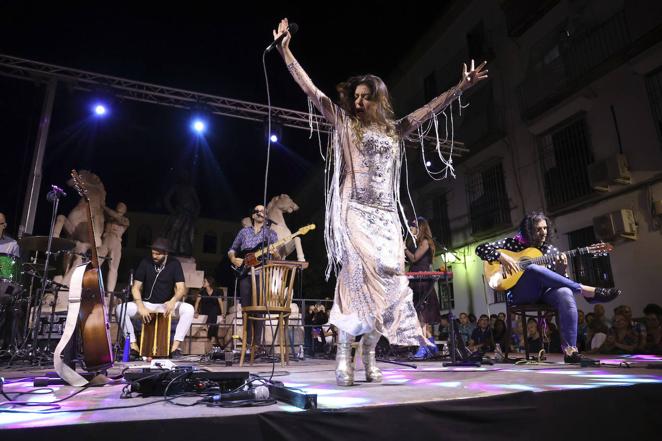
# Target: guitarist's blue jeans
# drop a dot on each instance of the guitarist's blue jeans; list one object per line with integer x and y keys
{"x": 540, "y": 284}
{"x": 246, "y": 299}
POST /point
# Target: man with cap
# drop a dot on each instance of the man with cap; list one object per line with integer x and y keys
{"x": 158, "y": 286}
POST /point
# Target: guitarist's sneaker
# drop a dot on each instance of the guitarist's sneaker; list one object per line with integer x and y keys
{"x": 604, "y": 295}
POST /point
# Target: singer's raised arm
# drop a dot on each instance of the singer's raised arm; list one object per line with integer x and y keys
{"x": 327, "y": 107}
{"x": 414, "y": 120}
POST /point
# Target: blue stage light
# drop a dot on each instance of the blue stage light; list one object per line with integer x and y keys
{"x": 199, "y": 126}
{"x": 100, "y": 110}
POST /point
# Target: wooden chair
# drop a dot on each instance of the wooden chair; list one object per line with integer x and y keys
{"x": 524, "y": 310}
{"x": 268, "y": 299}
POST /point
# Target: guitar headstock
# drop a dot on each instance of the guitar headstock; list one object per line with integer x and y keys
{"x": 79, "y": 185}
{"x": 306, "y": 229}
{"x": 600, "y": 249}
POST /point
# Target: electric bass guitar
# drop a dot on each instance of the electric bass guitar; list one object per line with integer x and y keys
{"x": 251, "y": 256}
{"x": 500, "y": 280}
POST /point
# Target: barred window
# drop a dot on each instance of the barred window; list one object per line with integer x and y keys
{"x": 589, "y": 270}
{"x": 489, "y": 207}
{"x": 500, "y": 296}
{"x": 440, "y": 224}
{"x": 654, "y": 87}
{"x": 565, "y": 154}
{"x": 447, "y": 296}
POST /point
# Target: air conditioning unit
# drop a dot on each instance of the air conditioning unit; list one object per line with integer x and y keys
{"x": 613, "y": 170}
{"x": 615, "y": 225}
{"x": 657, "y": 208}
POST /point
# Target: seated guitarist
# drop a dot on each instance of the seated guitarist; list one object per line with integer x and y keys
{"x": 545, "y": 284}
{"x": 248, "y": 239}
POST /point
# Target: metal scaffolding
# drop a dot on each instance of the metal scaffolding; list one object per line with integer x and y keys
{"x": 122, "y": 88}
{"x": 168, "y": 96}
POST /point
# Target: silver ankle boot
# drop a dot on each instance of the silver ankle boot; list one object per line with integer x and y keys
{"x": 344, "y": 364}
{"x": 368, "y": 343}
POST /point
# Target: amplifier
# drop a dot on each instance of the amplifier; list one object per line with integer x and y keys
{"x": 150, "y": 382}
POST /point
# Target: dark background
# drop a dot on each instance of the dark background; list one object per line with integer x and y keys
{"x": 139, "y": 149}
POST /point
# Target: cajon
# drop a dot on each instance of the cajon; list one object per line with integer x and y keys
{"x": 155, "y": 336}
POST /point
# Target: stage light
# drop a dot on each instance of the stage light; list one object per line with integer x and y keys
{"x": 199, "y": 126}
{"x": 273, "y": 133}
{"x": 428, "y": 163}
{"x": 100, "y": 110}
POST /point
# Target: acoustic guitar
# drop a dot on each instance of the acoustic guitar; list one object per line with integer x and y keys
{"x": 499, "y": 280}
{"x": 251, "y": 256}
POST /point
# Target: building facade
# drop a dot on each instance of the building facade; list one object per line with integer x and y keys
{"x": 569, "y": 122}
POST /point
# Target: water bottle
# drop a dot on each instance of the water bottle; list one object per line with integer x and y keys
{"x": 229, "y": 357}
{"x": 127, "y": 349}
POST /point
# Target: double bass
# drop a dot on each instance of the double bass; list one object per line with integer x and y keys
{"x": 97, "y": 354}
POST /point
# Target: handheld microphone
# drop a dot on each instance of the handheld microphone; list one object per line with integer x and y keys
{"x": 292, "y": 29}
{"x": 258, "y": 393}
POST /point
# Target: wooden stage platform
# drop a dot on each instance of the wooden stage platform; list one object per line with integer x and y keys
{"x": 497, "y": 401}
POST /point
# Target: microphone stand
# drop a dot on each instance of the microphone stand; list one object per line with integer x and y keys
{"x": 263, "y": 286}
{"x": 53, "y": 197}
{"x": 452, "y": 333}
{"x": 121, "y": 318}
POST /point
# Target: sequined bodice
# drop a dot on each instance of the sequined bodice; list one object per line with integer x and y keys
{"x": 373, "y": 163}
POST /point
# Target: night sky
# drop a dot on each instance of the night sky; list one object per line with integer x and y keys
{"x": 139, "y": 149}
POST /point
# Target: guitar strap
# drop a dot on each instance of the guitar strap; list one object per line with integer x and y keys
{"x": 75, "y": 289}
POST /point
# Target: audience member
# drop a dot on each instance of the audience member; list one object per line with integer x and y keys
{"x": 518, "y": 336}
{"x": 551, "y": 336}
{"x": 500, "y": 335}
{"x": 493, "y": 319}
{"x": 638, "y": 328}
{"x": 599, "y": 314}
{"x": 653, "y": 343}
{"x": 319, "y": 318}
{"x": 443, "y": 327}
{"x": 621, "y": 338}
{"x": 533, "y": 338}
{"x": 481, "y": 338}
{"x": 465, "y": 327}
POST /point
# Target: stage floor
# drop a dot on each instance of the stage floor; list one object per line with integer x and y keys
{"x": 429, "y": 382}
